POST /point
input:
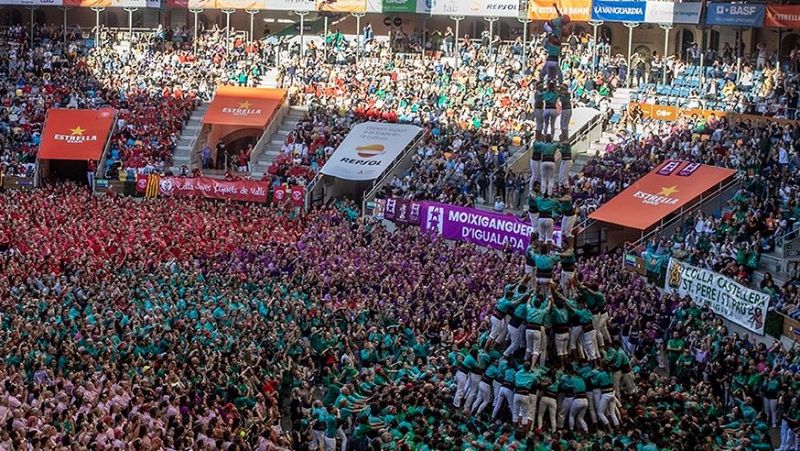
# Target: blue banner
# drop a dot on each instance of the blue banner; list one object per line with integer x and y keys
{"x": 738, "y": 15}
{"x": 618, "y": 11}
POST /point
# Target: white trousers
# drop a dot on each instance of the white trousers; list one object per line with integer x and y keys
{"x": 499, "y": 329}
{"x": 548, "y": 176}
{"x": 517, "y": 337}
{"x": 535, "y": 165}
{"x": 461, "y": 388}
{"x": 472, "y": 390}
{"x": 533, "y": 341}
{"x": 483, "y": 399}
{"x": 505, "y": 395}
{"x": 545, "y": 229}
{"x": 563, "y": 172}
{"x": 549, "y": 405}
{"x": 577, "y": 412}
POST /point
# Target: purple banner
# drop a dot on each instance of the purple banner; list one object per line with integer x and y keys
{"x": 669, "y": 167}
{"x": 484, "y": 228}
{"x": 689, "y": 169}
{"x": 402, "y": 211}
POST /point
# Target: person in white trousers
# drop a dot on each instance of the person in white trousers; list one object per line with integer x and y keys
{"x": 516, "y": 328}
{"x": 548, "y": 151}
{"x": 548, "y": 404}
{"x": 535, "y": 163}
{"x": 461, "y": 382}
{"x": 566, "y": 163}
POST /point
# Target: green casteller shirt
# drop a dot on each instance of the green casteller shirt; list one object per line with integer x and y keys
{"x": 559, "y": 316}
{"x": 549, "y": 151}
{"x": 521, "y": 311}
{"x": 547, "y": 207}
{"x": 524, "y": 379}
{"x": 537, "y": 315}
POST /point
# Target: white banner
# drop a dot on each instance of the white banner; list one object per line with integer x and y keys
{"x": 726, "y": 297}
{"x": 369, "y": 149}
{"x": 292, "y": 5}
{"x": 671, "y": 13}
{"x": 483, "y": 8}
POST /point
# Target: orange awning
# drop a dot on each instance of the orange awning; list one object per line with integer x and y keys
{"x": 246, "y": 107}
{"x": 75, "y": 134}
{"x": 661, "y": 192}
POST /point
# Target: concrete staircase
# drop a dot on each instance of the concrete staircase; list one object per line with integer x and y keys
{"x": 620, "y": 99}
{"x": 598, "y": 148}
{"x": 183, "y": 151}
{"x": 273, "y": 148}
{"x": 269, "y": 79}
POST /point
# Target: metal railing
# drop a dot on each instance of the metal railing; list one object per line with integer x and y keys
{"x": 380, "y": 181}
{"x": 273, "y": 125}
{"x": 581, "y": 134}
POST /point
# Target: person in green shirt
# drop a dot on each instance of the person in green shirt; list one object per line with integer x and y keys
{"x": 569, "y": 214}
{"x": 595, "y": 301}
{"x": 535, "y": 332}
{"x": 548, "y": 165}
{"x": 506, "y": 393}
{"x": 587, "y": 334}
{"x": 675, "y": 347}
{"x": 545, "y": 263}
{"x": 565, "y": 98}
{"x": 604, "y": 398}
{"x": 524, "y": 411}
{"x": 512, "y": 296}
{"x": 516, "y": 328}
{"x": 548, "y": 208}
{"x": 770, "y": 389}
{"x": 559, "y": 316}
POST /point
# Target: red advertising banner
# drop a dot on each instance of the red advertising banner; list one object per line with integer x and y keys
{"x": 782, "y": 16}
{"x": 243, "y": 190}
{"x": 298, "y": 195}
{"x": 279, "y": 194}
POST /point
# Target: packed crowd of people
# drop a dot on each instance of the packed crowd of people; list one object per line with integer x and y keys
{"x": 330, "y": 331}
{"x": 761, "y": 85}
{"x": 154, "y": 84}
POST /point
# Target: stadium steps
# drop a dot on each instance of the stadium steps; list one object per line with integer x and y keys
{"x": 598, "y": 148}
{"x": 269, "y": 79}
{"x": 620, "y": 99}
{"x": 277, "y": 139}
{"x": 183, "y": 150}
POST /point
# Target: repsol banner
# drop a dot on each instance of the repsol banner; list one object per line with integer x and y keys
{"x": 726, "y": 297}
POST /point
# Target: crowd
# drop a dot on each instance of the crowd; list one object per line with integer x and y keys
{"x": 763, "y": 85}
{"x": 472, "y": 112}
{"x": 154, "y": 83}
{"x": 328, "y": 331}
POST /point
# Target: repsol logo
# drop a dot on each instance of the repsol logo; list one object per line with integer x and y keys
{"x": 501, "y": 7}
{"x": 358, "y": 162}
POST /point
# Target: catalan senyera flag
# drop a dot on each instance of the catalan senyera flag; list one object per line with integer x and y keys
{"x": 247, "y": 107}
{"x": 75, "y": 134}
{"x": 153, "y": 183}
{"x": 661, "y": 192}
